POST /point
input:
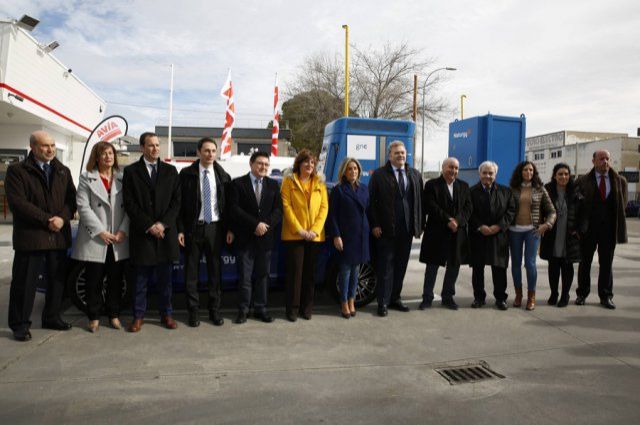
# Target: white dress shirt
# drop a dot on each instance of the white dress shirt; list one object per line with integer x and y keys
{"x": 149, "y": 165}
{"x": 396, "y": 171}
{"x": 215, "y": 214}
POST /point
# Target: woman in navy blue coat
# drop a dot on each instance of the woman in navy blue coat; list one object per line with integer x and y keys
{"x": 348, "y": 226}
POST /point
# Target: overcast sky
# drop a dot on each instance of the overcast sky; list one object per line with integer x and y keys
{"x": 567, "y": 65}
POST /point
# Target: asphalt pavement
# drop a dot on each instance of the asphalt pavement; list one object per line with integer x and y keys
{"x": 577, "y": 365}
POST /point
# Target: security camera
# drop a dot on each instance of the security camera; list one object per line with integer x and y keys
{"x": 69, "y": 70}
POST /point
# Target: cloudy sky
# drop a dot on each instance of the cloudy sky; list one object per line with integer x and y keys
{"x": 567, "y": 65}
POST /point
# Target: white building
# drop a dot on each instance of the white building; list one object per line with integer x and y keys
{"x": 576, "y": 149}
{"x": 38, "y": 92}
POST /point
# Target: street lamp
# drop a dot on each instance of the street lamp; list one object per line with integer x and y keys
{"x": 424, "y": 87}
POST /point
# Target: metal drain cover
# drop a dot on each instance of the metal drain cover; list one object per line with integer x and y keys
{"x": 468, "y": 373}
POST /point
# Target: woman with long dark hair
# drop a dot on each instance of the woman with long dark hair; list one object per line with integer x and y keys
{"x": 535, "y": 215}
{"x": 561, "y": 246}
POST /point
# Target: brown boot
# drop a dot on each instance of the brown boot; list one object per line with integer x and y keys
{"x": 518, "y": 301}
{"x": 531, "y": 300}
{"x": 345, "y": 310}
{"x": 352, "y": 307}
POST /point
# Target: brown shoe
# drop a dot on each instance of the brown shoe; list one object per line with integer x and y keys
{"x": 352, "y": 307}
{"x": 518, "y": 301}
{"x": 531, "y": 300}
{"x": 169, "y": 323}
{"x": 345, "y": 310}
{"x": 135, "y": 325}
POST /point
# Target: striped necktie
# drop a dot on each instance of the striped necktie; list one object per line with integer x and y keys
{"x": 206, "y": 197}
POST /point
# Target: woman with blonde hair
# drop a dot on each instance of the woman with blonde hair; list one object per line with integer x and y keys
{"x": 349, "y": 227}
{"x": 102, "y": 241}
{"x": 305, "y": 207}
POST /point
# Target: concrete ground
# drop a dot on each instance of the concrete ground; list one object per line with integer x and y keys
{"x": 578, "y": 365}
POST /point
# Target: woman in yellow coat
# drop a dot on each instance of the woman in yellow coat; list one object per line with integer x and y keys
{"x": 305, "y": 206}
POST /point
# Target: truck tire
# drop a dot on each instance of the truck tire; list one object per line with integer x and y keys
{"x": 76, "y": 288}
{"x": 366, "y": 289}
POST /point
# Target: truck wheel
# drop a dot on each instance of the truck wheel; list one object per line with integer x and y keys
{"x": 77, "y": 288}
{"x": 366, "y": 289}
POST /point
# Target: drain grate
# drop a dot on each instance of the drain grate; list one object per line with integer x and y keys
{"x": 468, "y": 373}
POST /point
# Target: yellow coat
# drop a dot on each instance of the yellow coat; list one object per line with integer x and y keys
{"x": 298, "y": 214}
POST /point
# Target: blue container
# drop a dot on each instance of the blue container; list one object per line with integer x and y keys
{"x": 365, "y": 139}
{"x": 487, "y": 138}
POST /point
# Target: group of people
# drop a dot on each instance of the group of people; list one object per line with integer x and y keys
{"x": 144, "y": 213}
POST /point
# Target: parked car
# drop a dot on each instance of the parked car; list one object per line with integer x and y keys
{"x": 633, "y": 209}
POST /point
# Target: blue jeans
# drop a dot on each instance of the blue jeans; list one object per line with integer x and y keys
{"x": 348, "y": 281}
{"x": 530, "y": 241}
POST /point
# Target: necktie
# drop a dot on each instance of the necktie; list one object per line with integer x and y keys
{"x": 47, "y": 172}
{"x": 154, "y": 174}
{"x": 603, "y": 188}
{"x": 206, "y": 197}
{"x": 403, "y": 189}
{"x": 258, "y": 190}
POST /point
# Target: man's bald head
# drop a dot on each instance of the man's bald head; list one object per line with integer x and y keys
{"x": 42, "y": 145}
{"x": 450, "y": 168}
{"x": 602, "y": 161}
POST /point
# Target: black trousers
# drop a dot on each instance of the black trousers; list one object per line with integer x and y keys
{"x": 300, "y": 276}
{"x": 205, "y": 239}
{"x": 95, "y": 274}
{"x": 393, "y": 257}
{"x": 253, "y": 268}
{"x": 560, "y": 267}
{"x": 27, "y": 266}
{"x": 602, "y": 239}
{"x": 448, "y": 285}
{"x": 499, "y": 277}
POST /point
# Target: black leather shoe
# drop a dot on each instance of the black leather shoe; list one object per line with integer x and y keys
{"x": 501, "y": 305}
{"x": 563, "y": 302}
{"x": 477, "y": 303}
{"x": 22, "y": 335}
{"x": 450, "y": 304}
{"x": 305, "y": 316}
{"x": 580, "y": 300}
{"x": 242, "y": 317}
{"x": 608, "y": 303}
{"x": 263, "y": 316}
{"x": 215, "y": 317}
{"x": 57, "y": 325}
{"x": 553, "y": 299}
{"x": 382, "y": 311}
{"x": 425, "y": 305}
{"x": 194, "y": 320}
{"x": 291, "y": 317}
{"x": 398, "y": 305}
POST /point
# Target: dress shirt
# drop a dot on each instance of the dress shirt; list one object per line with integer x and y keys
{"x": 606, "y": 181}
{"x": 254, "y": 179}
{"x": 396, "y": 171}
{"x": 215, "y": 214}
{"x": 149, "y": 165}
{"x": 450, "y": 187}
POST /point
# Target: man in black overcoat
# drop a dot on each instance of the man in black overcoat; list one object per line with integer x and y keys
{"x": 42, "y": 199}
{"x": 151, "y": 194}
{"x": 255, "y": 211}
{"x": 395, "y": 193}
{"x": 447, "y": 204}
{"x": 202, "y": 227}
{"x": 493, "y": 211}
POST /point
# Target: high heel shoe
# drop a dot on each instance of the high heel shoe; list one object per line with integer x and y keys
{"x": 93, "y": 326}
{"x": 345, "y": 310}
{"x": 352, "y": 307}
{"x": 114, "y": 322}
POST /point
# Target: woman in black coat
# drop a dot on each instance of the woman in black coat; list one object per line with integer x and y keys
{"x": 348, "y": 227}
{"x": 561, "y": 246}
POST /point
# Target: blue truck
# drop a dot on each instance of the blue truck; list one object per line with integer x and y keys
{"x": 361, "y": 138}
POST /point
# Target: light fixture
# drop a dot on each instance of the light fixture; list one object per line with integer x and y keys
{"x": 51, "y": 46}
{"x": 18, "y": 98}
{"x": 28, "y": 23}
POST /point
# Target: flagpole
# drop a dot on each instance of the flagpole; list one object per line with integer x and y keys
{"x": 169, "y": 141}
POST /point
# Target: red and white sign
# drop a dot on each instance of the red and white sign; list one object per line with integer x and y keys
{"x": 275, "y": 130}
{"x": 229, "y": 119}
{"x": 108, "y": 130}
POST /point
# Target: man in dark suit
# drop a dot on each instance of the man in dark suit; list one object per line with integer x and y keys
{"x": 395, "y": 192}
{"x": 152, "y": 200}
{"x": 494, "y": 208}
{"x": 447, "y": 202}
{"x": 202, "y": 227}
{"x": 602, "y": 225}
{"x": 255, "y": 210}
{"x": 42, "y": 198}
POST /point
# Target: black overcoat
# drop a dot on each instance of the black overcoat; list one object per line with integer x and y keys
{"x": 491, "y": 250}
{"x": 572, "y": 243}
{"x": 382, "y": 191}
{"x": 439, "y": 244}
{"x": 348, "y": 220}
{"x": 245, "y": 213}
{"x": 147, "y": 204}
{"x": 33, "y": 204}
